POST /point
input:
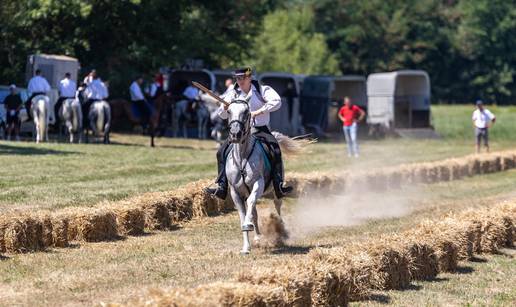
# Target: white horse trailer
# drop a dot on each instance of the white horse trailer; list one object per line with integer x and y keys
{"x": 399, "y": 99}
{"x": 322, "y": 97}
{"x": 287, "y": 119}
{"x": 53, "y": 68}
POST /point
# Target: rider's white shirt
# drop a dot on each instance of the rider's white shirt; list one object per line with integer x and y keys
{"x": 67, "y": 88}
{"x": 38, "y": 84}
{"x": 136, "y": 92}
{"x": 271, "y": 103}
{"x": 96, "y": 90}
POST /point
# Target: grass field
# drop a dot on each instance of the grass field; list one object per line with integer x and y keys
{"x": 53, "y": 176}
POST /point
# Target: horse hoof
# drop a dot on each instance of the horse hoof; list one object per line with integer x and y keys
{"x": 245, "y": 252}
{"x": 248, "y": 227}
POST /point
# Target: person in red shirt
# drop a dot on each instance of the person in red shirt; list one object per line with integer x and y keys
{"x": 350, "y": 115}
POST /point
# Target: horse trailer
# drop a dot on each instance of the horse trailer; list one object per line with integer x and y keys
{"x": 399, "y": 99}
{"x": 285, "y": 120}
{"x": 322, "y": 97}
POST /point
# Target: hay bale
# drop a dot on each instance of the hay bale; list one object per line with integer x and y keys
{"x": 493, "y": 231}
{"x": 60, "y": 226}
{"x": 394, "y": 178}
{"x": 355, "y": 271}
{"x": 215, "y": 294}
{"x": 23, "y": 234}
{"x": 474, "y": 167}
{"x": 376, "y": 180}
{"x": 445, "y": 170}
{"x": 293, "y": 278}
{"x": 157, "y": 216}
{"x": 459, "y": 169}
{"x": 93, "y": 225}
{"x": 130, "y": 220}
{"x": 3, "y": 226}
{"x": 508, "y": 161}
{"x": 440, "y": 241}
{"x": 424, "y": 263}
{"x": 46, "y": 234}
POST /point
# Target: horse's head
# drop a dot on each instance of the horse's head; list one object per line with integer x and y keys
{"x": 239, "y": 120}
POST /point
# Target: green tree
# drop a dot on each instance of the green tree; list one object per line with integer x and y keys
{"x": 288, "y": 42}
{"x": 486, "y": 37}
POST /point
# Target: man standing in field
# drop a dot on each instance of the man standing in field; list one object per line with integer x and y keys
{"x": 12, "y": 104}
{"x": 350, "y": 115}
{"x": 483, "y": 119}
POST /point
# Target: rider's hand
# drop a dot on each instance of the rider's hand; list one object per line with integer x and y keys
{"x": 255, "y": 113}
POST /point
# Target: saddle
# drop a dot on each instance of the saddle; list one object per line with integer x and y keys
{"x": 266, "y": 150}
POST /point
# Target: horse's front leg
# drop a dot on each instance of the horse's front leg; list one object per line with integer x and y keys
{"x": 251, "y": 218}
{"x": 239, "y": 204}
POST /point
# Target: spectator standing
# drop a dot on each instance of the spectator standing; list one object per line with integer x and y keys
{"x": 13, "y": 104}
{"x": 350, "y": 115}
{"x": 483, "y": 119}
{"x": 138, "y": 100}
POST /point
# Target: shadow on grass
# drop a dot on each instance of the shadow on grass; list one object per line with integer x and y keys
{"x": 29, "y": 151}
{"x": 2, "y": 257}
{"x": 295, "y": 250}
{"x": 379, "y": 298}
{"x": 464, "y": 270}
{"x": 478, "y": 259}
{"x": 119, "y": 143}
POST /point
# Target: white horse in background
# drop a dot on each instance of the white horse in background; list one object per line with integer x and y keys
{"x": 211, "y": 107}
{"x": 246, "y": 169}
{"x": 70, "y": 114}
{"x": 40, "y": 113}
{"x": 100, "y": 120}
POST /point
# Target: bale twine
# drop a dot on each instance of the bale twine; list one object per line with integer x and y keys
{"x": 293, "y": 279}
{"x": 93, "y": 225}
{"x": 214, "y": 295}
{"x": 130, "y": 220}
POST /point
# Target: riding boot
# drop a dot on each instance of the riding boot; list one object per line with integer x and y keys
{"x": 222, "y": 189}
{"x": 280, "y": 189}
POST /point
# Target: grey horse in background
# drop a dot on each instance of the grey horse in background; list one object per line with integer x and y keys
{"x": 70, "y": 114}
{"x": 40, "y": 113}
{"x": 100, "y": 120}
{"x": 246, "y": 169}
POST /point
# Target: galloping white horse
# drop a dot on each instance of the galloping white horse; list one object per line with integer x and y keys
{"x": 247, "y": 170}
{"x": 71, "y": 115}
{"x": 100, "y": 119}
{"x": 41, "y": 115}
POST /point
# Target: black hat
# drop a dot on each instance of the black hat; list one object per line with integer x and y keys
{"x": 245, "y": 71}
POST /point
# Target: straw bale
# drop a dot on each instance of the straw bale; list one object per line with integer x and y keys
{"x": 23, "y": 234}
{"x": 508, "y": 160}
{"x": 474, "y": 166}
{"x": 445, "y": 170}
{"x": 293, "y": 277}
{"x": 93, "y": 225}
{"x": 459, "y": 169}
{"x": 157, "y": 216}
{"x": 490, "y": 164}
{"x": 215, "y": 295}
{"x": 130, "y": 220}
{"x": 394, "y": 179}
{"x": 356, "y": 270}
{"x": 439, "y": 239}
{"x": 196, "y": 202}
{"x": 377, "y": 180}
{"x": 60, "y": 225}
{"x": 424, "y": 262}
{"x": 465, "y": 234}
{"x": 46, "y": 233}
{"x": 3, "y": 226}
{"x": 493, "y": 231}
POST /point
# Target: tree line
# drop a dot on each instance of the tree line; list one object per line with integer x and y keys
{"x": 466, "y": 46}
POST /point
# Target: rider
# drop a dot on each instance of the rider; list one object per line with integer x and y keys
{"x": 138, "y": 100}
{"x": 263, "y": 100}
{"x": 96, "y": 90}
{"x": 67, "y": 90}
{"x": 37, "y": 86}
{"x": 12, "y": 104}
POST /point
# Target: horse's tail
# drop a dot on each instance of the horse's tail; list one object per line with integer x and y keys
{"x": 42, "y": 113}
{"x": 106, "y": 110}
{"x": 99, "y": 109}
{"x": 292, "y": 146}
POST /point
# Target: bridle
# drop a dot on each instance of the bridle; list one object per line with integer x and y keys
{"x": 242, "y": 123}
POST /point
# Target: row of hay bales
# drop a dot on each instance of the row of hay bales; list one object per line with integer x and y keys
{"x": 167, "y": 210}
{"x": 404, "y": 175}
{"x": 336, "y": 276}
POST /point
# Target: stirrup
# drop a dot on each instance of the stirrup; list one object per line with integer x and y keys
{"x": 219, "y": 192}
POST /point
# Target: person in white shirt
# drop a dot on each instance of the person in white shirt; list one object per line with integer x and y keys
{"x": 138, "y": 100}
{"x": 263, "y": 100}
{"x": 482, "y": 119}
{"x": 67, "y": 90}
{"x": 96, "y": 90}
{"x": 87, "y": 80}
{"x": 155, "y": 89}
{"x": 37, "y": 86}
